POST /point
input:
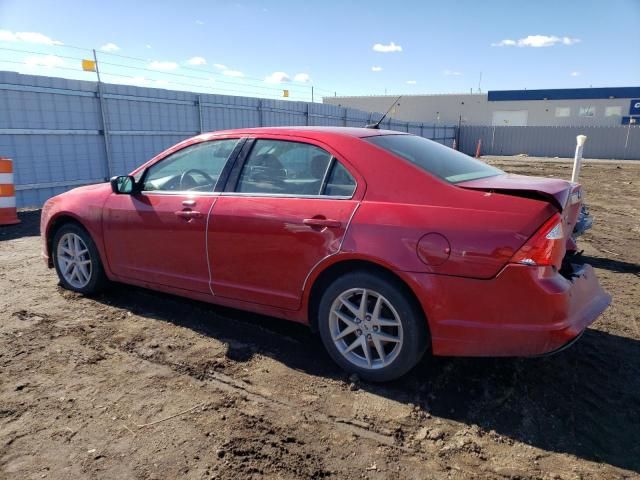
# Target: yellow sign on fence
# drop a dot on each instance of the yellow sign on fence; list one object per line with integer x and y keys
{"x": 285, "y": 93}
{"x": 88, "y": 65}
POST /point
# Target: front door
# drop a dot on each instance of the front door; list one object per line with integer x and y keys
{"x": 158, "y": 235}
{"x": 290, "y": 209}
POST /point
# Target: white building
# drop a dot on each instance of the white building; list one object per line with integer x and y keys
{"x": 559, "y": 107}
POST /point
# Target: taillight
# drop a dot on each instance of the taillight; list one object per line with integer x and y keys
{"x": 545, "y": 247}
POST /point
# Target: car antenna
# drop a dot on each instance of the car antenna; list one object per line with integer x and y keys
{"x": 377, "y": 124}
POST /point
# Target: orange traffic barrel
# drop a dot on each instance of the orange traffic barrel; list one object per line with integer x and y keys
{"x": 8, "y": 215}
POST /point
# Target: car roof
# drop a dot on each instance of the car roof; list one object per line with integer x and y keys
{"x": 309, "y": 132}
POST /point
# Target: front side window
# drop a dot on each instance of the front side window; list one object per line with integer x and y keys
{"x": 193, "y": 169}
{"x": 285, "y": 168}
{"x": 436, "y": 159}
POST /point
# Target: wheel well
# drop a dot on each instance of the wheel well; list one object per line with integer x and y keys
{"x": 57, "y": 224}
{"x": 348, "y": 266}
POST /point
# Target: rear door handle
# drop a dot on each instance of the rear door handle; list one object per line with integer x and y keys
{"x": 188, "y": 214}
{"x": 322, "y": 222}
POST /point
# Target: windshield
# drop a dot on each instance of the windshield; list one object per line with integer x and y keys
{"x": 437, "y": 159}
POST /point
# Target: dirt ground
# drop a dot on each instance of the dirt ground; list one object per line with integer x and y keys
{"x": 138, "y": 384}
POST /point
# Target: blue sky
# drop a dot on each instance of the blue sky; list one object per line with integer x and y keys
{"x": 259, "y": 48}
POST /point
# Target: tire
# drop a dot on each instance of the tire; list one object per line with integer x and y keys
{"x": 396, "y": 334}
{"x": 77, "y": 261}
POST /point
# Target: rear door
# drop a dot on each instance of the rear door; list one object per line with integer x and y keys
{"x": 287, "y": 206}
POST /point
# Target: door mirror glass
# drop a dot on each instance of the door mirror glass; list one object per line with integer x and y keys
{"x": 123, "y": 184}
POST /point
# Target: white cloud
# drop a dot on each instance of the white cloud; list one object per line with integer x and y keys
{"x": 110, "y": 47}
{"x": 199, "y": 22}
{"x": 197, "y": 61}
{"x": 141, "y": 81}
{"x": 575, "y": 74}
{"x": 392, "y": 47}
{"x": 28, "y": 37}
{"x": 411, "y": 82}
{"x": 148, "y": 45}
{"x": 505, "y": 43}
{"x": 233, "y": 73}
{"x": 277, "y": 77}
{"x": 156, "y": 65}
{"x": 452, "y": 73}
{"x": 537, "y": 41}
{"x": 138, "y": 81}
{"x": 48, "y": 61}
{"x": 302, "y": 77}
{"x": 220, "y": 66}
{"x": 375, "y": 68}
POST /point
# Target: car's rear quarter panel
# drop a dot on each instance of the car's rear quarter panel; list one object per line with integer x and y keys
{"x": 481, "y": 239}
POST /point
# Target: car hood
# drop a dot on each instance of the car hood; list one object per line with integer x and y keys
{"x": 552, "y": 189}
{"x": 93, "y": 186}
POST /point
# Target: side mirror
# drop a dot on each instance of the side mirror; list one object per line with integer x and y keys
{"x": 123, "y": 184}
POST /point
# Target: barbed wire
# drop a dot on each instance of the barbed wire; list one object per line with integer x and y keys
{"x": 245, "y": 85}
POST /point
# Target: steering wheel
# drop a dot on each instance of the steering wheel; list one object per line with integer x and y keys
{"x": 188, "y": 173}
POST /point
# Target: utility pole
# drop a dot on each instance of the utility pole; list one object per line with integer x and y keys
{"x": 311, "y": 93}
{"x": 103, "y": 114}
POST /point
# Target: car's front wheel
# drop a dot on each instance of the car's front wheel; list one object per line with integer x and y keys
{"x": 371, "y": 326}
{"x": 76, "y": 260}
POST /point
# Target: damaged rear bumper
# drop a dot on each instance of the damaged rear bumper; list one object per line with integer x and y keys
{"x": 523, "y": 311}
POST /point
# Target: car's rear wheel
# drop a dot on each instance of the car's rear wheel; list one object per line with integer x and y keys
{"x": 76, "y": 260}
{"x": 371, "y": 326}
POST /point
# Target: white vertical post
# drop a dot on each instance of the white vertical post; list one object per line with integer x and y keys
{"x": 577, "y": 159}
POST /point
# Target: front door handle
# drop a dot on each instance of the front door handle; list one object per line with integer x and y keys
{"x": 188, "y": 214}
{"x": 322, "y": 222}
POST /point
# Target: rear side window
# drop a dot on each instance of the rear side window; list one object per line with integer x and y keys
{"x": 278, "y": 167}
{"x": 340, "y": 183}
{"x": 437, "y": 159}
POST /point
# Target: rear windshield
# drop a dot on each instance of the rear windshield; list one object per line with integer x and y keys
{"x": 441, "y": 161}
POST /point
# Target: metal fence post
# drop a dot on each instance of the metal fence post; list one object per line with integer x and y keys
{"x": 422, "y": 129}
{"x": 407, "y": 127}
{"x": 307, "y": 114}
{"x": 103, "y": 115}
{"x": 260, "y": 119}
{"x": 345, "y": 117}
{"x": 493, "y": 139}
{"x": 200, "y": 121}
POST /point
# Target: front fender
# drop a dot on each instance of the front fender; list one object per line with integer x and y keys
{"x": 82, "y": 205}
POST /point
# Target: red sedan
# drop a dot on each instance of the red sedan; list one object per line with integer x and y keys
{"x": 388, "y": 244}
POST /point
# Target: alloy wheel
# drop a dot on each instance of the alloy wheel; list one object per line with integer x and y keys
{"x": 365, "y": 328}
{"x": 74, "y": 260}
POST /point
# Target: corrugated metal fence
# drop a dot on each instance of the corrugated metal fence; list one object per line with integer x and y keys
{"x": 618, "y": 142}
{"x": 53, "y": 129}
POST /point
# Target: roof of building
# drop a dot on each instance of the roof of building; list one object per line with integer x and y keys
{"x": 564, "y": 94}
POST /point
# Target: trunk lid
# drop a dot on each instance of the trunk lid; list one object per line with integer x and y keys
{"x": 555, "y": 190}
{"x": 562, "y": 194}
